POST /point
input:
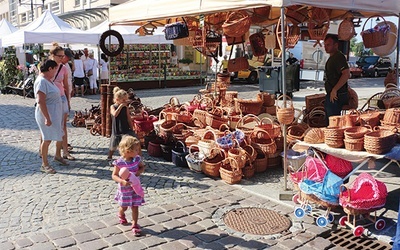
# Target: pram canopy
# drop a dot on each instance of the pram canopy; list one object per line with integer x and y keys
{"x": 314, "y": 170}
{"x": 328, "y": 190}
{"x": 364, "y": 193}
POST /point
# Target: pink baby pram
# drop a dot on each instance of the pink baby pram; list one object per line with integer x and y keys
{"x": 364, "y": 195}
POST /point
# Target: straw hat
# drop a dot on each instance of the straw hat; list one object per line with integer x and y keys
{"x": 387, "y": 49}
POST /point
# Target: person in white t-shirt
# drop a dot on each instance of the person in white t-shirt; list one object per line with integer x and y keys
{"x": 93, "y": 65}
{"x": 79, "y": 74}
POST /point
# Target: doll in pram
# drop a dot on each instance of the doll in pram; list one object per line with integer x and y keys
{"x": 363, "y": 196}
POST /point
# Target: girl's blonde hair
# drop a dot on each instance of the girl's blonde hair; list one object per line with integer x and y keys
{"x": 129, "y": 143}
{"x": 119, "y": 93}
{"x": 55, "y": 48}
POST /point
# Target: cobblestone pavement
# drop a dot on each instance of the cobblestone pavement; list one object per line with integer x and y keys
{"x": 74, "y": 209}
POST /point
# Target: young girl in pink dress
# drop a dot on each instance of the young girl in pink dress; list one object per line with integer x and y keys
{"x": 130, "y": 151}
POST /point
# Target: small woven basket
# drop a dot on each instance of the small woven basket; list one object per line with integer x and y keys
{"x": 356, "y": 132}
{"x": 211, "y": 165}
{"x": 261, "y": 162}
{"x": 229, "y": 172}
{"x": 346, "y": 30}
{"x": 272, "y": 127}
{"x": 334, "y": 137}
{"x": 285, "y": 113}
{"x": 354, "y": 144}
{"x": 314, "y": 136}
{"x": 379, "y": 142}
{"x": 261, "y": 139}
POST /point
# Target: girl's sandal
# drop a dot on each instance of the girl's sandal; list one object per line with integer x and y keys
{"x": 61, "y": 161}
{"x": 47, "y": 169}
{"x": 122, "y": 219}
{"x": 136, "y": 230}
{"x": 69, "y": 157}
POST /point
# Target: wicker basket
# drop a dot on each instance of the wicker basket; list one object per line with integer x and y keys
{"x": 248, "y": 171}
{"x": 378, "y": 36}
{"x": 261, "y": 162}
{"x": 392, "y": 116}
{"x": 272, "y": 127}
{"x": 216, "y": 118}
{"x": 261, "y": 139}
{"x": 211, "y": 164}
{"x": 194, "y": 159}
{"x": 346, "y": 30}
{"x": 267, "y": 98}
{"x": 247, "y": 124}
{"x": 334, "y": 137}
{"x": 370, "y": 118}
{"x": 354, "y": 144}
{"x": 248, "y": 106}
{"x": 356, "y": 132}
{"x": 230, "y": 172}
{"x": 314, "y": 136}
{"x": 296, "y": 132}
{"x": 285, "y": 113}
{"x": 274, "y": 160}
{"x": 319, "y": 24}
{"x": 236, "y": 24}
{"x": 207, "y": 143}
{"x": 239, "y": 155}
{"x": 251, "y": 153}
{"x": 379, "y": 142}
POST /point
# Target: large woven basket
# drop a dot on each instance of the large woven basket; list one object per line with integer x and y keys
{"x": 267, "y": 98}
{"x": 354, "y": 144}
{"x": 370, "y": 118}
{"x": 378, "y": 36}
{"x": 236, "y": 24}
{"x": 379, "y": 142}
{"x": 261, "y": 162}
{"x": 314, "y": 136}
{"x": 248, "y": 106}
{"x": 216, "y": 118}
{"x": 356, "y": 132}
{"x": 272, "y": 127}
{"x": 207, "y": 143}
{"x": 285, "y": 112}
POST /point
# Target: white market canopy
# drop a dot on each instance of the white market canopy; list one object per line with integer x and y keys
{"x": 6, "y": 28}
{"x": 46, "y": 29}
{"x": 128, "y": 33}
{"x": 139, "y": 11}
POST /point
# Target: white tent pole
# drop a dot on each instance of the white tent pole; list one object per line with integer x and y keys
{"x": 283, "y": 78}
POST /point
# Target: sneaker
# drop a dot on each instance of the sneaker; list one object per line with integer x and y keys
{"x": 47, "y": 169}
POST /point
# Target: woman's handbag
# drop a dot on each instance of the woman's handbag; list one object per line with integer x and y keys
{"x": 257, "y": 44}
{"x": 176, "y": 30}
{"x": 237, "y": 64}
{"x": 90, "y": 72}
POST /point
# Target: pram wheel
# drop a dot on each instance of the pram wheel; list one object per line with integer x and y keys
{"x": 342, "y": 221}
{"x": 358, "y": 231}
{"x": 322, "y": 221}
{"x": 380, "y": 224}
{"x": 299, "y": 212}
{"x": 308, "y": 209}
{"x": 296, "y": 198}
{"x": 331, "y": 218}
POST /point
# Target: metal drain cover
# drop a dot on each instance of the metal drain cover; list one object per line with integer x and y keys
{"x": 345, "y": 239}
{"x": 258, "y": 221}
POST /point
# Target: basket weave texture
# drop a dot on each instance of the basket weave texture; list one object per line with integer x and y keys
{"x": 236, "y": 24}
{"x": 378, "y": 36}
{"x": 285, "y": 112}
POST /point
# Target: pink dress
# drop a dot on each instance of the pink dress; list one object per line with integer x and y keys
{"x": 126, "y": 196}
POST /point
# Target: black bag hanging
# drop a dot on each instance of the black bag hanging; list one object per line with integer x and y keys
{"x": 176, "y": 30}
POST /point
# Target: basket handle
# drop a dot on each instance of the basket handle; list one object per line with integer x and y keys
{"x": 213, "y": 134}
{"x": 288, "y": 100}
{"x": 182, "y": 144}
{"x": 366, "y": 21}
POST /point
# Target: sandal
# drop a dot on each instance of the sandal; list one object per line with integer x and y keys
{"x": 69, "y": 157}
{"x": 61, "y": 161}
{"x": 47, "y": 169}
{"x": 70, "y": 148}
{"x": 122, "y": 219}
{"x": 136, "y": 230}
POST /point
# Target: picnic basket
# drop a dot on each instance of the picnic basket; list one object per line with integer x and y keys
{"x": 379, "y": 142}
{"x": 248, "y": 106}
{"x": 378, "y": 36}
{"x": 334, "y": 137}
{"x": 271, "y": 126}
{"x": 212, "y": 163}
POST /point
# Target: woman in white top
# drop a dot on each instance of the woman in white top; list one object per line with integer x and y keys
{"x": 79, "y": 74}
{"x": 104, "y": 69}
{"x": 93, "y": 65}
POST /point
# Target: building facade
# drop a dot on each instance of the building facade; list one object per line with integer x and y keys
{"x": 82, "y": 14}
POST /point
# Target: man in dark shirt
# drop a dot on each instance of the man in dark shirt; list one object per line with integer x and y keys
{"x": 336, "y": 75}
{"x": 291, "y": 60}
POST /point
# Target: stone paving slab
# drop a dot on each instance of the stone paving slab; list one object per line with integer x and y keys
{"x": 74, "y": 208}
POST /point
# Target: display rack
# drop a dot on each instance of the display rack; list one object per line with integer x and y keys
{"x": 146, "y": 62}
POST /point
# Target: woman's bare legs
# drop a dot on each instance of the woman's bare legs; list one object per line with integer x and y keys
{"x": 44, "y": 149}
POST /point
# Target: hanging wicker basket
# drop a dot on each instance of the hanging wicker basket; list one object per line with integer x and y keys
{"x": 346, "y": 30}
{"x": 378, "y": 36}
{"x": 236, "y": 24}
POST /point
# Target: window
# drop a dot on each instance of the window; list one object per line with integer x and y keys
{"x": 23, "y": 18}
{"x": 55, "y": 6}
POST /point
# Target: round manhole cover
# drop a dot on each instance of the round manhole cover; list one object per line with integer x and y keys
{"x": 258, "y": 221}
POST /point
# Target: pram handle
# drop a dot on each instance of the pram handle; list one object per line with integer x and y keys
{"x": 344, "y": 188}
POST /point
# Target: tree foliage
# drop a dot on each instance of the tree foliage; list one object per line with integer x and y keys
{"x": 358, "y": 48}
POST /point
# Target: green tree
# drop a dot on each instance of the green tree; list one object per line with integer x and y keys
{"x": 358, "y": 48}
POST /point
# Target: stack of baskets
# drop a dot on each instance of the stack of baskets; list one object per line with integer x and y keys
{"x": 268, "y": 102}
{"x": 334, "y": 137}
{"x": 354, "y": 138}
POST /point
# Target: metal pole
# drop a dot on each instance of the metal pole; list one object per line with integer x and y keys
{"x": 283, "y": 78}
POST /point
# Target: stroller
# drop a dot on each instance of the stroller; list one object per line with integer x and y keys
{"x": 364, "y": 195}
{"x": 311, "y": 169}
{"x": 321, "y": 186}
